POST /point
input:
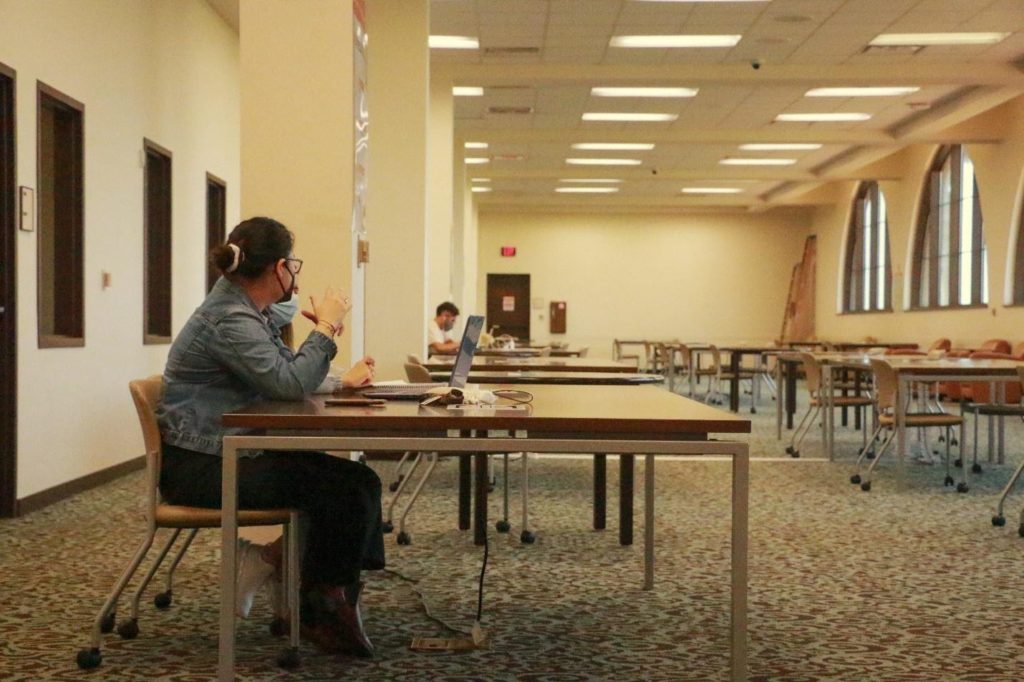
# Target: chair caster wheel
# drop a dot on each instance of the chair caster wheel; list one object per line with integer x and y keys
{"x": 855, "y": 479}
{"x": 404, "y": 538}
{"x": 527, "y": 538}
{"x": 866, "y": 486}
{"x": 962, "y": 487}
{"x": 753, "y": 410}
{"x": 128, "y": 629}
{"x": 163, "y": 600}
{"x": 107, "y": 624}
{"x": 387, "y": 526}
{"x": 502, "y": 526}
{"x": 870, "y": 455}
{"x": 999, "y": 521}
{"x": 393, "y": 486}
{"x": 958, "y": 463}
{"x": 289, "y": 659}
{"x": 490, "y": 488}
{"x": 279, "y": 627}
{"x": 954, "y": 442}
{"x": 948, "y": 481}
{"x": 976, "y": 468}
{"x": 89, "y": 658}
{"x": 795, "y": 454}
{"x": 789, "y": 449}
{"x": 1020, "y": 530}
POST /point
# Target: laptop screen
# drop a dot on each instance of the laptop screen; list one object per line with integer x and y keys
{"x": 464, "y": 360}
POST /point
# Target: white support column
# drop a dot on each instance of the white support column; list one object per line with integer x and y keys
{"x": 297, "y": 134}
{"x": 396, "y": 215}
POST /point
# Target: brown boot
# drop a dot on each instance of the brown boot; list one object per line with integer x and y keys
{"x": 350, "y": 623}
{"x": 332, "y": 621}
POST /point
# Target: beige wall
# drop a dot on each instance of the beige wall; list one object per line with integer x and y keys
{"x": 999, "y": 172}
{"x": 712, "y": 277}
{"x": 163, "y": 69}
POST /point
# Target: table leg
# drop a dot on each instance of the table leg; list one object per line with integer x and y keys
{"x": 734, "y": 383}
{"x": 465, "y": 491}
{"x": 626, "y": 463}
{"x": 600, "y": 491}
{"x": 648, "y": 522}
{"x": 738, "y": 632}
{"x": 480, "y": 467}
{"x": 790, "y": 393}
{"x": 778, "y": 398}
{"x": 228, "y": 546}
{"x": 857, "y": 392}
{"x": 843, "y": 378}
{"x": 902, "y": 386}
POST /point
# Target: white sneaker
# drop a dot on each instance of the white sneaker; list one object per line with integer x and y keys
{"x": 253, "y": 573}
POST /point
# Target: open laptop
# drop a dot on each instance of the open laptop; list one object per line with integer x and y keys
{"x": 460, "y": 369}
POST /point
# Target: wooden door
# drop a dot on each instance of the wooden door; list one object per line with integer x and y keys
{"x": 216, "y": 222}
{"x": 8, "y": 283}
{"x": 508, "y": 305}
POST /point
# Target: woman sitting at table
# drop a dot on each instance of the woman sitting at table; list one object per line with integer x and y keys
{"x": 229, "y": 355}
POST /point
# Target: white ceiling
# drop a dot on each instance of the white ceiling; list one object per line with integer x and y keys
{"x": 800, "y": 44}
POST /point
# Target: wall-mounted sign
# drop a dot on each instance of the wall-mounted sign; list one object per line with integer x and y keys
{"x": 508, "y": 251}
{"x": 508, "y": 304}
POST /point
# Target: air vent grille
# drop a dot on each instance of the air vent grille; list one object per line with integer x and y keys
{"x": 506, "y": 51}
{"x": 515, "y": 111}
{"x": 891, "y": 49}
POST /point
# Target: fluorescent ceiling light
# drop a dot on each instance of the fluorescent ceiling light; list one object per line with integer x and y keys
{"x": 937, "y": 38}
{"x": 643, "y": 92}
{"x": 780, "y": 146}
{"x": 481, "y": 189}
{"x": 603, "y": 162}
{"x": 480, "y": 179}
{"x": 605, "y": 181}
{"x": 586, "y": 190}
{"x": 468, "y": 91}
{"x": 475, "y": 145}
{"x": 476, "y": 159}
{"x": 625, "y": 116}
{"x": 756, "y": 162}
{"x": 861, "y": 92}
{"x": 711, "y": 190}
{"x": 701, "y": 0}
{"x": 680, "y": 40}
{"x": 837, "y": 117}
{"x": 453, "y": 42}
{"x": 614, "y": 146}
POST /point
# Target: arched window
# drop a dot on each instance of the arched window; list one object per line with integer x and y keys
{"x": 867, "y": 264}
{"x": 1018, "y": 264}
{"x": 950, "y": 266}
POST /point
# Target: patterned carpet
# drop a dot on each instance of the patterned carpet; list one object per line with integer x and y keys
{"x": 907, "y": 582}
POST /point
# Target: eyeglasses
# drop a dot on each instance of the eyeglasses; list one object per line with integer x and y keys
{"x": 296, "y": 269}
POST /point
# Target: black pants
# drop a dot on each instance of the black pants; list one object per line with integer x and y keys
{"x": 340, "y": 499}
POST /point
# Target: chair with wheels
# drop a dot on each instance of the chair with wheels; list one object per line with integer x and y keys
{"x": 812, "y": 371}
{"x": 146, "y": 395}
{"x": 977, "y": 399}
{"x": 885, "y": 402}
{"x": 997, "y": 518}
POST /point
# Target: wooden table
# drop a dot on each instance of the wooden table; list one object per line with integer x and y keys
{"x": 565, "y": 351}
{"x": 540, "y": 364}
{"x": 556, "y": 378}
{"x": 736, "y": 354}
{"x": 626, "y": 420}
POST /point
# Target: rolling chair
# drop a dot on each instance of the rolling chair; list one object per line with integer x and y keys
{"x": 146, "y": 395}
{"x": 998, "y": 519}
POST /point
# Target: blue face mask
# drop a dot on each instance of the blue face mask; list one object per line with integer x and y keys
{"x": 282, "y": 312}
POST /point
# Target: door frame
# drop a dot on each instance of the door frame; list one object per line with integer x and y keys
{"x": 8, "y": 295}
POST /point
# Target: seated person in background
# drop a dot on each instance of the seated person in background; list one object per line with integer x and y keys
{"x": 439, "y": 337}
{"x": 229, "y": 355}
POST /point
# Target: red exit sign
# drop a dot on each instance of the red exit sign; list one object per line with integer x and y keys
{"x": 508, "y": 251}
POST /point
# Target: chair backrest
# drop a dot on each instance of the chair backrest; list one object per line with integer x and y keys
{"x": 544, "y": 352}
{"x": 996, "y": 346}
{"x": 1018, "y": 351}
{"x": 812, "y": 370}
{"x": 980, "y": 391}
{"x": 904, "y": 351}
{"x": 885, "y": 384}
{"x": 940, "y": 344}
{"x": 146, "y": 394}
{"x": 417, "y": 373}
{"x": 414, "y": 359}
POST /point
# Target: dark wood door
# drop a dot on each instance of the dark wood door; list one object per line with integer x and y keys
{"x": 8, "y": 282}
{"x": 508, "y": 305}
{"x": 216, "y": 222}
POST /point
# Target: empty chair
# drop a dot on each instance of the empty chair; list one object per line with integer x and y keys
{"x": 416, "y": 373}
{"x": 146, "y": 394}
{"x": 998, "y": 519}
{"x": 943, "y": 345}
{"x": 885, "y": 401}
{"x": 977, "y": 399}
{"x": 812, "y": 370}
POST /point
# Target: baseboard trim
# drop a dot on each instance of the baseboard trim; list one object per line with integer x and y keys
{"x": 45, "y": 498}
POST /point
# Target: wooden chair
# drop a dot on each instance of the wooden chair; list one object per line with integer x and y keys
{"x": 885, "y": 403}
{"x": 146, "y": 394}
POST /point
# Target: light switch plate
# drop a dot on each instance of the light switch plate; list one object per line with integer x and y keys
{"x": 26, "y": 209}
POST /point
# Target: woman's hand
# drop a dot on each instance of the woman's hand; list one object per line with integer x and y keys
{"x": 332, "y": 308}
{"x": 361, "y": 373}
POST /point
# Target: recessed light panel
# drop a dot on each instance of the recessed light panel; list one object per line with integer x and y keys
{"x": 467, "y": 91}
{"x": 642, "y": 92}
{"x": 603, "y": 162}
{"x": 780, "y": 146}
{"x": 473, "y": 160}
{"x": 861, "y": 92}
{"x": 453, "y": 42}
{"x": 586, "y": 190}
{"x": 835, "y": 117}
{"x": 673, "y": 41}
{"x": 711, "y": 190}
{"x": 756, "y": 162}
{"x": 626, "y": 117}
{"x": 614, "y": 146}
{"x": 596, "y": 181}
{"x": 477, "y": 190}
{"x": 938, "y": 38}
{"x": 480, "y": 179}
{"x": 475, "y": 145}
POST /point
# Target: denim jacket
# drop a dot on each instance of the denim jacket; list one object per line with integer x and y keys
{"x": 227, "y": 356}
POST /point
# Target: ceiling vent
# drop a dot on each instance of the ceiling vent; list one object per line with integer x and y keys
{"x": 510, "y": 51}
{"x": 508, "y": 87}
{"x": 891, "y": 49}
{"x": 516, "y": 111}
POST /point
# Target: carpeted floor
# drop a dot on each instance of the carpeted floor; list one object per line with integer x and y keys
{"x": 907, "y": 582}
